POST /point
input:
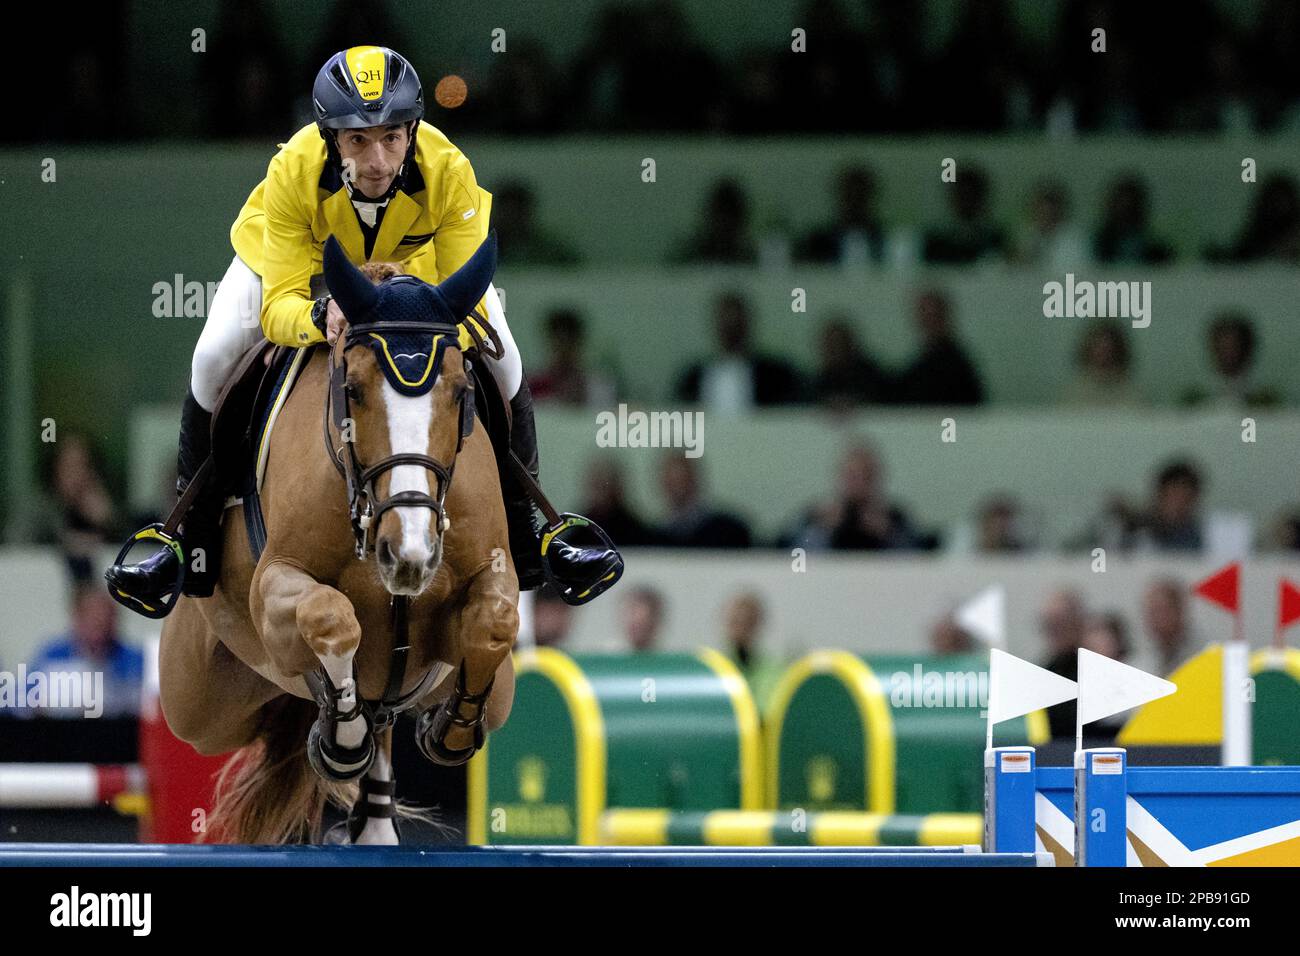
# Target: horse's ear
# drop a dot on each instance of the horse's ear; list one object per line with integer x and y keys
{"x": 464, "y": 287}
{"x": 355, "y": 294}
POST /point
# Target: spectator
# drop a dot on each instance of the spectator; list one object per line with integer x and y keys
{"x": 566, "y": 378}
{"x": 948, "y": 638}
{"x": 1285, "y": 534}
{"x": 737, "y": 379}
{"x": 743, "y": 620}
{"x": 723, "y": 237}
{"x": 1272, "y": 232}
{"x": 984, "y": 70}
{"x": 247, "y": 87}
{"x": 1232, "y": 348}
{"x": 857, "y": 236}
{"x": 1173, "y": 522}
{"x": 999, "y": 527}
{"x": 1125, "y": 236}
{"x": 552, "y": 618}
{"x": 643, "y": 615}
{"x": 1062, "y": 624}
{"x": 661, "y": 45}
{"x": 941, "y": 374}
{"x": 606, "y": 505}
{"x": 860, "y": 517}
{"x": 847, "y": 375}
{"x": 92, "y": 645}
{"x": 1107, "y": 634}
{"x": 691, "y": 523}
{"x": 87, "y": 518}
{"x": 970, "y": 235}
{"x": 1102, "y": 369}
{"x": 522, "y": 241}
{"x": 1164, "y": 616}
{"x": 521, "y": 97}
{"x": 1050, "y": 239}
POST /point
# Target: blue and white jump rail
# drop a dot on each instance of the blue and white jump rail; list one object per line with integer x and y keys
{"x": 1140, "y": 816}
{"x": 160, "y": 855}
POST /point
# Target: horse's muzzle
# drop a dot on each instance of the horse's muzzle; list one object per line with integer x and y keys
{"x": 404, "y": 573}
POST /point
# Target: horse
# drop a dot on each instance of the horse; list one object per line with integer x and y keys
{"x": 383, "y": 586}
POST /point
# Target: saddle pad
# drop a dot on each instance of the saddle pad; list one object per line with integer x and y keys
{"x": 279, "y": 395}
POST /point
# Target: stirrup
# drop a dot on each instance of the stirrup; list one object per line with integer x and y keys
{"x": 162, "y": 605}
{"x": 571, "y": 594}
{"x": 433, "y": 725}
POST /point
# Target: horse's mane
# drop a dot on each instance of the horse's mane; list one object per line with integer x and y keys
{"x": 377, "y": 272}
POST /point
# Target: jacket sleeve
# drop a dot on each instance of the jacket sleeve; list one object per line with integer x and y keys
{"x": 462, "y": 226}
{"x": 286, "y": 262}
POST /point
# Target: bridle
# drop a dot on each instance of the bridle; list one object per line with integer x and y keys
{"x": 360, "y": 478}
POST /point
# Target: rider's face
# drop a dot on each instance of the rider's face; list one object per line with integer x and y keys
{"x": 374, "y": 155}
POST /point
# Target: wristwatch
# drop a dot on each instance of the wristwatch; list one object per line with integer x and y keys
{"x": 318, "y": 312}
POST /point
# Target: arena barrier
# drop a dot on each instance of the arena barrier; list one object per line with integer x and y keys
{"x": 32, "y": 786}
{"x": 1194, "y": 716}
{"x": 1142, "y": 816}
{"x": 111, "y": 855}
{"x": 883, "y": 734}
{"x": 667, "y": 731}
{"x": 737, "y": 828}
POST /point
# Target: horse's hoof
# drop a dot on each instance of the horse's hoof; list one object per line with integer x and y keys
{"x": 337, "y": 763}
{"x": 431, "y": 731}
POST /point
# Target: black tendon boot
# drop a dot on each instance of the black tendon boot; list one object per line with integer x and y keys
{"x": 575, "y": 568}
{"x": 200, "y": 530}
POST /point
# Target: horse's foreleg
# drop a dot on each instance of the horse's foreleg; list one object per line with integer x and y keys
{"x": 307, "y": 625}
{"x": 481, "y": 640}
{"x": 372, "y": 816}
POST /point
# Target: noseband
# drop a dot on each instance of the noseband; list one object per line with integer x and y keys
{"x": 360, "y": 478}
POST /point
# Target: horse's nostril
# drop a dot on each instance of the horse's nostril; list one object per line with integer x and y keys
{"x": 385, "y": 554}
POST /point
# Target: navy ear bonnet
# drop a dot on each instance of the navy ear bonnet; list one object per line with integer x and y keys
{"x": 413, "y": 322}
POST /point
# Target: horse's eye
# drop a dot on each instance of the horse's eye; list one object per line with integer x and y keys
{"x": 353, "y": 393}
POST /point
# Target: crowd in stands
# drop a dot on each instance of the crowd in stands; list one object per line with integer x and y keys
{"x": 861, "y": 515}
{"x": 645, "y": 65}
{"x": 1046, "y": 234}
{"x": 738, "y": 377}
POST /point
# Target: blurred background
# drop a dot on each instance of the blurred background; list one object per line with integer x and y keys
{"x": 891, "y": 424}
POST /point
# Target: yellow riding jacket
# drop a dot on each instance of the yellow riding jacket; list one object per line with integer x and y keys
{"x": 431, "y": 226}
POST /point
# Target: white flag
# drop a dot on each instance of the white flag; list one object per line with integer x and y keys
{"x": 985, "y": 616}
{"x": 1018, "y": 687}
{"x": 1108, "y": 687}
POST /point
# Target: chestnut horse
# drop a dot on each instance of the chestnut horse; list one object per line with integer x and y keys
{"x": 297, "y": 661}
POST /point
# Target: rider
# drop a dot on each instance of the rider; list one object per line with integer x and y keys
{"x": 391, "y": 188}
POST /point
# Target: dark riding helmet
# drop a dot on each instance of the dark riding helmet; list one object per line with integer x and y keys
{"x": 365, "y": 86}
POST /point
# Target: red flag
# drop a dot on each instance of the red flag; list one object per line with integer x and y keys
{"x": 1223, "y": 587}
{"x": 1288, "y": 604}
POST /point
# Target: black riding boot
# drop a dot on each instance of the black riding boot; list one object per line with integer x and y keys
{"x": 200, "y": 530}
{"x": 573, "y": 567}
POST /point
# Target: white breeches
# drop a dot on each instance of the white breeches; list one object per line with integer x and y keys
{"x": 234, "y": 325}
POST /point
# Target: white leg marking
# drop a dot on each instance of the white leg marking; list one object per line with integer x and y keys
{"x": 379, "y": 830}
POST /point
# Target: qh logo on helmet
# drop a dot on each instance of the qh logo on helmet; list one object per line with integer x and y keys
{"x": 366, "y": 66}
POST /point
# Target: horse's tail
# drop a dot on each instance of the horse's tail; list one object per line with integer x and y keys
{"x": 267, "y": 792}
